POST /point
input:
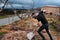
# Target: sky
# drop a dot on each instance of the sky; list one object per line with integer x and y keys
{"x": 29, "y": 4}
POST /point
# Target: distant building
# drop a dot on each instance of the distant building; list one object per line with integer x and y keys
{"x": 52, "y": 9}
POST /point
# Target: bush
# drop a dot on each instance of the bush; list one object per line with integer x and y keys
{"x": 56, "y": 26}
{"x": 1, "y": 33}
{"x": 2, "y": 26}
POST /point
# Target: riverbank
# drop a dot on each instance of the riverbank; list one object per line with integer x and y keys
{"x": 8, "y": 20}
{"x": 1, "y": 17}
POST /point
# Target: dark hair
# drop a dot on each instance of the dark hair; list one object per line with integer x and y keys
{"x": 33, "y": 13}
{"x": 41, "y": 12}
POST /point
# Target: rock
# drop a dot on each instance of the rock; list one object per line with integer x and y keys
{"x": 30, "y": 35}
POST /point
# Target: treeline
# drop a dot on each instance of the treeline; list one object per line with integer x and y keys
{"x": 11, "y": 12}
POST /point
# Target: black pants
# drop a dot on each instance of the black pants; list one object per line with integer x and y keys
{"x": 45, "y": 26}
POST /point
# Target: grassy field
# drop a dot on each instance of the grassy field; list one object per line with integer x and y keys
{"x": 1, "y": 17}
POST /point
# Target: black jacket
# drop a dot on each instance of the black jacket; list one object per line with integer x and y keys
{"x": 41, "y": 18}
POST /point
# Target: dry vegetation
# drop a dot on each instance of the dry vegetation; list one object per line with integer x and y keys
{"x": 19, "y": 29}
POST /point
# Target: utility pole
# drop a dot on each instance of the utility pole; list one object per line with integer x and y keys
{"x": 3, "y": 5}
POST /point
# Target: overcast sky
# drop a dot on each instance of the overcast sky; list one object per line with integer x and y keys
{"x": 28, "y": 4}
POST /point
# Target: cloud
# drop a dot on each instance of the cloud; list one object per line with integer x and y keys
{"x": 28, "y": 4}
{"x": 16, "y": 6}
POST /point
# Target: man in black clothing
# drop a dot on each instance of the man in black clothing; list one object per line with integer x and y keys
{"x": 41, "y": 17}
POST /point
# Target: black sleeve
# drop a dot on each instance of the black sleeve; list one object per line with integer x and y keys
{"x": 36, "y": 17}
{"x": 43, "y": 19}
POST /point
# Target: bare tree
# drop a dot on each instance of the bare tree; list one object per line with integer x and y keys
{"x": 4, "y": 5}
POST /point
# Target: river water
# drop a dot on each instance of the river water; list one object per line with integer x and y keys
{"x": 11, "y": 19}
{"x": 8, "y": 20}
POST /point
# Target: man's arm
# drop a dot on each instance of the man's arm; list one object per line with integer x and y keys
{"x": 36, "y": 17}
